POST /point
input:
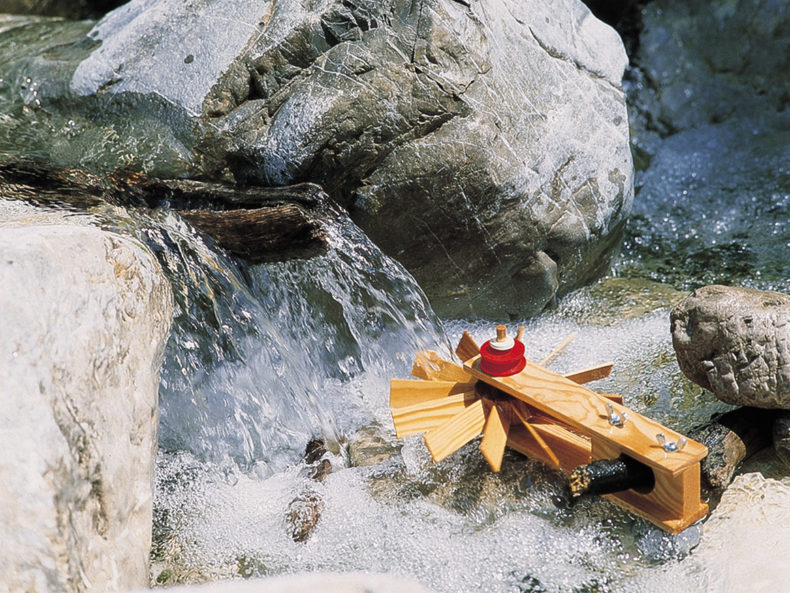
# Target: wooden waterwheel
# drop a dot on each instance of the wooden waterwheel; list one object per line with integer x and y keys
{"x": 513, "y": 402}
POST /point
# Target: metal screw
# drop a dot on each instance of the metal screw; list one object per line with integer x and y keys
{"x": 616, "y": 419}
{"x": 670, "y": 446}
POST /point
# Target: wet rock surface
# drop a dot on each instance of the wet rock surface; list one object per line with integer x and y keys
{"x": 734, "y": 342}
{"x": 709, "y": 127}
{"x": 85, "y": 315}
{"x": 731, "y": 439}
{"x": 485, "y": 147}
{"x": 304, "y": 511}
{"x": 255, "y": 223}
{"x": 781, "y": 437}
{"x": 696, "y": 72}
{"x": 70, "y": 9}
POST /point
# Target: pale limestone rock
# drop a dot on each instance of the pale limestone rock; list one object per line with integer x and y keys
{"x": 84, "y": 314}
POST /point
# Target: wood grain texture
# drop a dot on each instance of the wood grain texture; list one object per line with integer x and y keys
{"x": 456, "y": 432}
{"x": 615, "y": 397}
{"x": 430, "y": 366}
{"x": 495, "y": 437}
{"x": 467, "y": 347}
{"x": 549, "y": 454}
{"x": 586, "y": 411}
{"x": 407, "y": 392}
{"x": 674, "y": 502}
{"x": 428, "y": 415}
{"x": 570, "y": 449}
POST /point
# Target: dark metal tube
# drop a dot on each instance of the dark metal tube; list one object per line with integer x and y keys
{"x": 606, "y": 476}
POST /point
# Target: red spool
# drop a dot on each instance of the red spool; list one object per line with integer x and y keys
{"x": 498, "y": 363}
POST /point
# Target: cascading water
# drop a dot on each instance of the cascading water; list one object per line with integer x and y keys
{"x": 262, "y": 358}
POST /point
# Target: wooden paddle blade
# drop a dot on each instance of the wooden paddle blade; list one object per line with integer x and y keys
{"x": 614, "y": 397}
{"x": 556, "y": 352}
{"x": 405, "y": 392}
{"x": 428, "y": 415}
{"x": 467, "y": 348}
{"x": 570, "y": 448}
{"x": 495, "y": 437}
{"x": 456, "y": 432}
{"x": 430, "y": 366}
{"x": 552, "y": 458}
{"x": 600, "y": 371}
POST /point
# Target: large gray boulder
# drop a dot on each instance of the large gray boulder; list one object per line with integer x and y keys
{"x": 736, "y": 343}
{"x": 84, "y": 316}
{"x": 483, "y": 144}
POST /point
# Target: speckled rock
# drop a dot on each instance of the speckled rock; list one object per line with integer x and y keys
{"x": 736, "y": 343}
{"x": 484, "y": 145}
{"x": 85, "y": 314}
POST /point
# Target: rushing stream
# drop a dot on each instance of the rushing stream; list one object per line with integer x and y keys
{"x": 264, "y": 358}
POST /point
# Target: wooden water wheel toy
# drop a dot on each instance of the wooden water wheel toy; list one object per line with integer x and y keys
{"x": 606, "y": 448}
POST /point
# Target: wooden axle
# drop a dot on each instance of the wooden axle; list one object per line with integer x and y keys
{"x": 555, "y": 419}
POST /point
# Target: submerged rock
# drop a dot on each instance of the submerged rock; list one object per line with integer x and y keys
{"x": 85, "y": 314}
{"x": 709, "y": 123}
{"x": 736, "y": 343}
{"x": 730, "y": 439}
{"x": 696, "y": 71}
{"x": 484, "y": 145}
{"x": 781, "y": 437}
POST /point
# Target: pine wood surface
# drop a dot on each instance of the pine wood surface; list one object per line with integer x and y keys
{"x": 570, "y": 449}
{"x": 455, "y": 433}
{"x": 492, "y": 446}
{"x": 674, "y": 502}
{"x": 586, "y": 411}
{"x": 467, "y": 347}
{"x": 407, "y": 392}
{"x": 599, "y": 371}
{"x": 430, "y": 366}
{"x": 429, "y": 415}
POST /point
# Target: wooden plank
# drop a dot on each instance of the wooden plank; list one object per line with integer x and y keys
{"x": 495, "y": 437}
{"x": 407, "y": 392}
{"x": 600, "y": 371}
{"x": 615, "y": 397}
{"x": 549, "y": 454}
{"x": 571, "y": 449}
{"x": 456, "y": 432}
{"x": 467, "y": 347}
{"x": 428, "y": 415}
{"x": 429, "y": 365}
{"x": 674, "y": 502}
{"x": 586, "y": 411}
